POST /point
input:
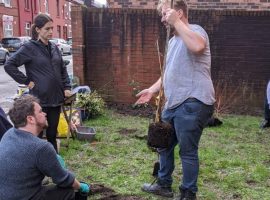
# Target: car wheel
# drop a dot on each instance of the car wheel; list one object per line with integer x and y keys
{"x": 6, "y": 58}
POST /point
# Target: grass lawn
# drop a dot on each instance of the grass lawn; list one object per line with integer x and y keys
{"x": 234, "y": 158}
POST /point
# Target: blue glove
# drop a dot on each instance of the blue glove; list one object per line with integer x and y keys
{"x": 84, "y": 188}
{"x": 61, "y": 161}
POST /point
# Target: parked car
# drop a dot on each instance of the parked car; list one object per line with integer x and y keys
{"x": 4, "y": 54}
{"x": 69, "y": 41}
{"x": 62, "y": 44}
{"x": 14, "y": 43}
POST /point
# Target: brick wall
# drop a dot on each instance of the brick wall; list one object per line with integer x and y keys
{"x": 78, "y": 47}
{"x": 197, "y": 4}
{"x": 121, "y": 53}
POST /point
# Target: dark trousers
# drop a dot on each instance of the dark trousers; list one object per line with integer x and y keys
{"x": 266, "y": 110}
{"x": 53, "y": 114}
{"x": 53, "y": 192}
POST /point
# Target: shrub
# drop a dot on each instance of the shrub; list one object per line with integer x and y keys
{"x": 92, "y": 103}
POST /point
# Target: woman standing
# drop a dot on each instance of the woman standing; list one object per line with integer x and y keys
{"x": 46, "y": 74}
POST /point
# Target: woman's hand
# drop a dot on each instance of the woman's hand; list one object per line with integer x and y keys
{"x": 67, "y": 93}
{"x": 31, "y": 85}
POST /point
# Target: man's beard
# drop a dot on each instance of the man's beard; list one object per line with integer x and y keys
{"x": 42, "y": 126}
{"x": 172, "y": 28}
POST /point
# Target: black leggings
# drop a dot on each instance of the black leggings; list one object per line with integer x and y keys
{"x": 53, "y": 114}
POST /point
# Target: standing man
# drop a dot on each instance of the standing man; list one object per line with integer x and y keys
{"x": 25, "y": 159}
{"x": 189, "y": 95}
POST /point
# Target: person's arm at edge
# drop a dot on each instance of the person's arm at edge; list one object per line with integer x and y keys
{"x": 268, "y": 93}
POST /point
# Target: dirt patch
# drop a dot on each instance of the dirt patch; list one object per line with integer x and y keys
{"x": 251, "y": 182}
{"x": 132, "y": 133}
{"x": 106, "y": 193}
{"x": 127, "y": 109}
{"x": 126, "y": 131}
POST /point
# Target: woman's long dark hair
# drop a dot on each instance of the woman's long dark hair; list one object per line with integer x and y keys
{"x": 39, "y": 21}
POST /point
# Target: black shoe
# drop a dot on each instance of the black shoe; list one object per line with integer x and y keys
{"x": 157, "y": 189}
{"x": 265, "y": 124}
{"x": 182, "y": 194}
{"x": 189, "y": 195}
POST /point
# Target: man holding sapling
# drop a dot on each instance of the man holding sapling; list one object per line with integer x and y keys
{"x": 189, "y": 95}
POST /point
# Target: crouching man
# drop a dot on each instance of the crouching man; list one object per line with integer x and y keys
{"x": 25, "y": 159}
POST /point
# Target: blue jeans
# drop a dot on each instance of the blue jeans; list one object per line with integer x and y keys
{"x": 188, "y": 120}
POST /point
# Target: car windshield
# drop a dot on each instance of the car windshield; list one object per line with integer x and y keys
{"x": 10, "y": 40}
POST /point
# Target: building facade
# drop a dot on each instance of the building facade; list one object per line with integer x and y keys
{"x": 9, "y": 18}
{"x": 17, "y": 16}
{"x": 59, "y": 11}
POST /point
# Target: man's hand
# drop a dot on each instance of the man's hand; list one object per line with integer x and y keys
{"x": 172, "y": 16}
{"x": 31, "y": 85}
{"x": 84, "y": 187}
{"x": 67, "y": 93}
{"x": 145, "y": 96}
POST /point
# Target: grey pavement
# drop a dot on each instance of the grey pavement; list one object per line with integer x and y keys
{"x": 8, "y": 87}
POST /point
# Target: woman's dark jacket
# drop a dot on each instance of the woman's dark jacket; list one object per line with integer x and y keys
{"x": 46, "y": 69}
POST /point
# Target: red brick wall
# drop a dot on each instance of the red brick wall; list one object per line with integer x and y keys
{"x": 78, "y": 47}
{"x": 197, "y": 4}
{"x": 121, "y": 54}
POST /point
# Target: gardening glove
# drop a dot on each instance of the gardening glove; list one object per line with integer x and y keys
{"x": 61, "y": 161}
{"x": 84, "y": 187}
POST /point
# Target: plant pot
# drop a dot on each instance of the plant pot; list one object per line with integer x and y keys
{"x": 85, "y": 114}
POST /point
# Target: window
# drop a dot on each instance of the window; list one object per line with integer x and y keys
{"x": 26, "y": 5}
{"x": 28, "y": 28}
{"x": 69, "y": 10}
{"x": 65, "y": 32}
{"x": 46, "y": 6}
{"x": 7, "y": 3}
{"x": 35, "y": 6}
{"x": 59, "y": 31}
{"x": 7, "y": 25}
{"x": 63, "y": 12}
{"x": 57, "y": 8}
{"x": 8, "y": 30}
{"x": 69, "y": 31}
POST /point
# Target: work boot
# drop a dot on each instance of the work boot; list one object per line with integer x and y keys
{"x": 189, "y": 195}
{"x": 157, "y": 189}
{"x": 265, "y": 124}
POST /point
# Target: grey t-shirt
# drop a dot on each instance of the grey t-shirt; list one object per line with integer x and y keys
{"x": 188, "y": 74}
